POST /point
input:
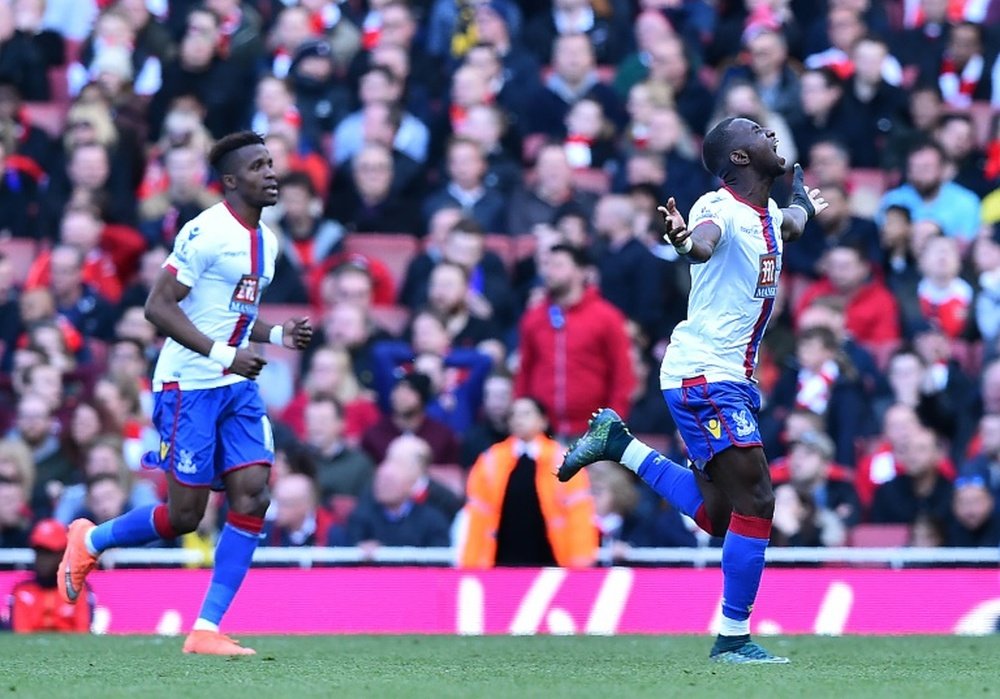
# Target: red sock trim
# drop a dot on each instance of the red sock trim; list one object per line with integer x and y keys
{"x": 247, "y": 523}
{"x": 702, "y": 519}
{"x": 745, "y": 525}
{"x": 161, "y": 522}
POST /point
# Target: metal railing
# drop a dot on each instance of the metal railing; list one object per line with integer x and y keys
{"x": 308, "y": 556}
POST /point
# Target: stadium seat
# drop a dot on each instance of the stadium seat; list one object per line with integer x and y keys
{"x": 879, "y": 535}
{"x": 394, "y": 250}
{"x": 867, "y": 188}
{"x": 451, "y": 476}
{"x": 21, "y": 252}
{"x": 50, "y": 117}
{"x": 592, "y": 179}
{"x": 392, "y": 319}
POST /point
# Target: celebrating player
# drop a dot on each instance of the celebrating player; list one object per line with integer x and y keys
{"x": 735, "y": 241}
{"x": 213, "y": 428}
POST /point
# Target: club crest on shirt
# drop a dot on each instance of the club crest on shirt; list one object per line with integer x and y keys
{"x": 246, "y": 295}
{"x": 767, "y": 277}
{"x": 744, "y": 425}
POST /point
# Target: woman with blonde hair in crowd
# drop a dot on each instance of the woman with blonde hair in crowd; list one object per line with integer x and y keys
{"x": 331, "y": 372}
{"x": 16, "y": 464}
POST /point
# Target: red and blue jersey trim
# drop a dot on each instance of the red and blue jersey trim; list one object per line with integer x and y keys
{"x": 245, "y": 320}
{"x": 757, "y": 334}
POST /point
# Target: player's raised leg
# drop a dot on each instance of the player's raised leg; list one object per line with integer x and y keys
{"x": 188, "y": 440}
{"x": 608, "y": 439}
{"x": 742, "y": 474}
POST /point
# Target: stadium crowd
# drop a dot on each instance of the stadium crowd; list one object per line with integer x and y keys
{"x": 468, "y": 213}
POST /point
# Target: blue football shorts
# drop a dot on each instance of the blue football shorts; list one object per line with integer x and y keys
{"x": 711, "y": 417}
{"x": 207, "y": 433}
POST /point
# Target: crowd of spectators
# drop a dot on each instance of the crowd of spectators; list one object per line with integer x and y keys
{"x": 468, "y": 213}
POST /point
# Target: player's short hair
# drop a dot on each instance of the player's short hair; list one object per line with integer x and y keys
{"x": 227, "y": 145}
{"x": 717, "y": 147}
{"x": 579, "y": 256}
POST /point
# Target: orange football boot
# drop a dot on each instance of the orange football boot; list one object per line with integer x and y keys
{"x": 214, "y": 643}
{"x": 77, "y": 561}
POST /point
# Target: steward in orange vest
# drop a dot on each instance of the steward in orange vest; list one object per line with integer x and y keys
{"x": 518, "y": 513}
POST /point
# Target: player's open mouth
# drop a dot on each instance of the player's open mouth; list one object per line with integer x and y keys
{"x": 271, "y": 188}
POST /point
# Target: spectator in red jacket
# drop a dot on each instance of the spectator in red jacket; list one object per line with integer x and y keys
{"x": 871, "y": 309}
{"x": 81, "y": 228}
{"x": 34, "y": 604}
{"x": 574, "y": 347}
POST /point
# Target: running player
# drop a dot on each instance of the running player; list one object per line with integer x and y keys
{"x": 214, "y": 432}
{"x": 735, "y": 243}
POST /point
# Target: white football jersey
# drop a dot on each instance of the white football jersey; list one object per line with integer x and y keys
{"x": 732, "y": 295}
{"x": 228, "y": 266}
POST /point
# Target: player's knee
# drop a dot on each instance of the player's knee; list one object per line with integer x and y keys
{"x": 253, "y": 502}
{"x": 184, "y": 520}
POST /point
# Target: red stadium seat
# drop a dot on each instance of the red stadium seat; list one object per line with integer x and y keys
{"x": 394, "y": 250}
{"x": 592, "y": 180}
{"x": 451, "y": 476}
{"x": 21, "y": 252}
{"x": 879, "y": 535}
{"x": 47, "y": 116}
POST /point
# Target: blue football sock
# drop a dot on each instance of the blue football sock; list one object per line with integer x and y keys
{"x": 233, "y": 555}
{"x": 673, "y": 482}
{"x": 742, "y": 566}
{"x": 134, "y": 528}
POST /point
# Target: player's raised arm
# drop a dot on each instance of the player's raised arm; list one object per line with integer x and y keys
{"x": 163, "y": 311}
{"x": 698, "y": 244}
{"x": 806, "y": 203}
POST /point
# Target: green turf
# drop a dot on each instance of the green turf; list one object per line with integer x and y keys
{"x": 550, "y": 667}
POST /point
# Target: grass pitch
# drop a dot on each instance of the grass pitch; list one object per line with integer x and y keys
{"x": 545, "y": 666}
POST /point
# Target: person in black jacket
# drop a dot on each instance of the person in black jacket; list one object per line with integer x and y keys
{"x": 390, "y": 515}
{"x": 919, "y": 490}
{"x": 631, "y": 276}
{"x": 368, "y": 204}
{"x": 975, "y": 520}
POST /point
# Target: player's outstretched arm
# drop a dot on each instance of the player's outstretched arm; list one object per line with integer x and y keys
{"x": 699, "y": 244}
{"x": 163, "y": 311}
{"x": 294, "y": 333}
{"x": 805, "y": 204}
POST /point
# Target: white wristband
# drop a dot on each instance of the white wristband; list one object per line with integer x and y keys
{"x": 800, "y": 208}
{"x": 685, "y": 247}
{"x": 277, "y": 336}
{"x": 223, "y": 354}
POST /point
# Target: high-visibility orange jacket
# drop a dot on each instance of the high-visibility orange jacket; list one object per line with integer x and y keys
{"x": 568, "y": 508}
